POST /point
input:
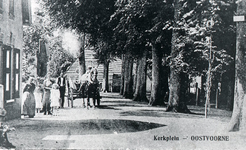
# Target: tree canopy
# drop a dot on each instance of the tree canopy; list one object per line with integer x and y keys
{"x": 115, "y": 27}
{"x": 42, "y": 28}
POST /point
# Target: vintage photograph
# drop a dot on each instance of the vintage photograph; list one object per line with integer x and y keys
{"x": 123, "y": 74}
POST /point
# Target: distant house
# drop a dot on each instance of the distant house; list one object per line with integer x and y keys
{"x": 114, "y": 70}
{"x": 13, "y": 15}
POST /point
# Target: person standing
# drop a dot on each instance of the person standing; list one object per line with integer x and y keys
{"x": 62, "y": 88}
{"x": 28, "y": 101}
{"x": 47, "y": 84}
{"x": 38, "y": 93}
{"x": 55, "y": 99}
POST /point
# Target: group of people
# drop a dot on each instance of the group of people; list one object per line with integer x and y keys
{"x": 46, "y": 98}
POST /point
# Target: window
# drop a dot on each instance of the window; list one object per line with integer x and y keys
{"x": 17, "y": 61}
{"x": 17, "y": 82}
{"x": 7, "y": 74}
{"x": 7, "y": 59}
{"x": 11, "y": 9}
{"x": 26, "y": 12}
{"x": 7, "y": 82}
{"x": 16, "y": 71}
{"x": 1, "y": 96}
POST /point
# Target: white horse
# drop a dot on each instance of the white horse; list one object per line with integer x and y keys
{"x": 89, "y": 87}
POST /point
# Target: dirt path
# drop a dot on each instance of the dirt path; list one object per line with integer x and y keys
{"x": 122, "y": 123}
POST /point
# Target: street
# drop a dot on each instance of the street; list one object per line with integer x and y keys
{"x": 123, "y": 124}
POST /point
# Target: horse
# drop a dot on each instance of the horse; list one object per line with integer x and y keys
{"x": 89, "y": 88}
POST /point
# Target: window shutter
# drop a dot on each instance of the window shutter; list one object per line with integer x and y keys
{"x": 7, "y": 71}
{"x": 16, "y": 72}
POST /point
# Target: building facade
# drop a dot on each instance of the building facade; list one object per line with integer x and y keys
{"x": 114, "y": 70}
{"x": 13, "y": 15}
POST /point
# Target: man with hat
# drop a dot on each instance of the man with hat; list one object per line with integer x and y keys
{"x": 62, "y": 87}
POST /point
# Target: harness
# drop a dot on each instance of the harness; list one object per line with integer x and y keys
{"x": 89, "y": 78}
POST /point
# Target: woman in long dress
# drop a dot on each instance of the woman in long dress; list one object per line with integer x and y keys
{"x": 38, "y": 93}
{"x": 28, "y": 101}
{"x": 46, "y": 97}
{"x": 55, "y": 98}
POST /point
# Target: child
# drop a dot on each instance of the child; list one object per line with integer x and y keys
{"x": 55, "y": 98}
{"x": 38, "y": 97}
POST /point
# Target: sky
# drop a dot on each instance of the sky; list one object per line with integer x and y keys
{"x": 71, "y": 43}
{"x": 70, "y": 39}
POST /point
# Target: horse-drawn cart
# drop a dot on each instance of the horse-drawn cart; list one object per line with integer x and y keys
{"x": 78, "y": 90}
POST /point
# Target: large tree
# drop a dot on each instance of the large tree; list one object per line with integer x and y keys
{"x": 238, "y": 119}
{"x": 175, "y": 65}
{"x": 193, "y": 50}
{"x": 35, "y": 38}
{"x": 141, "y": 74}
{"x": 87, "y": 17}
{"x": 140, "y": 27}
{"x": 130, "y": 25}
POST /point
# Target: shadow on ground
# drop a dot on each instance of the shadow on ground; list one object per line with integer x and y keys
{"x": 92, "y": 126}
{"x": 42, "y": 129}
{"x": 123, "y": 103}
{"x": 107, "y": 107}
{"x": 159, "y": 113}
{"x": 196, "y": 112}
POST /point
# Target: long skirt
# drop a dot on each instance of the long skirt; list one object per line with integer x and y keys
{"x": 28, "y": 104}
{"x": 46, "y": 101}
{"x": 38, "y": 98}
{"x": 55, "y": 98}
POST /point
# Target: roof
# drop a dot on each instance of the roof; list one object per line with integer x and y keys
{"x": 114, "y": 67}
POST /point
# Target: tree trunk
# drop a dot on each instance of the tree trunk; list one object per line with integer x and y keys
{"x": 174, "y": 82}
{"x": 208, "y": 88}
{"x": 227, "y": 85}
{"x": 122, "y": 74}
{"x": 174, "y": 103}
{"x": 238, "y": 119}
{"x": 184, "y": 93}
{"x": 209, "y": 80}
{"x": 140, "y": 88}
{"x": 164, "y": 83}
{"x": 174, "y": 91}
{"x": 105, "y": 76}
{"x": 128, "y": 79}
{"x": 81, "y": 57}
{"x": 136, "y": 75}
{"x": 230, "y": 94}
{"x": 155, "y": 98}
